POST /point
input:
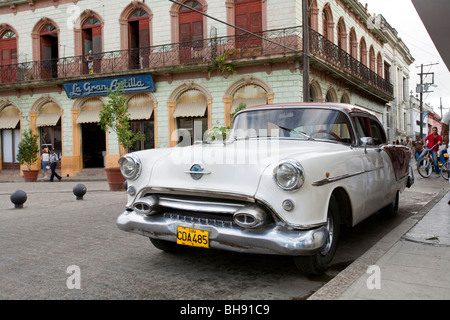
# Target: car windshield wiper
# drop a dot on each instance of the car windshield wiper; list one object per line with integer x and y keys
{"x": 296, "y": 131}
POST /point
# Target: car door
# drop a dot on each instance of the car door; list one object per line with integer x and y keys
{"x": 370, "y": 151}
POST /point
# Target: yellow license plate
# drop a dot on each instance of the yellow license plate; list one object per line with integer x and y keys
{"x": 193, "y": 237}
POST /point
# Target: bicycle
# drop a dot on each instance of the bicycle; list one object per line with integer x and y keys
{"x": 425, "y": 165}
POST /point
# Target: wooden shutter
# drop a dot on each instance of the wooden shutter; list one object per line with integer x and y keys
{"x": 248, "y": 16}
{"x": 97, "y": 48}
{"x": 144, "y": 42}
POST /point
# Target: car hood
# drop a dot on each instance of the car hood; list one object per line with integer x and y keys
{"x": 234, "y": 168}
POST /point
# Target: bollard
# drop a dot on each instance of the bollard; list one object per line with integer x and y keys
{"x": 18, "y": 197}
{"x": 79, "y": 191}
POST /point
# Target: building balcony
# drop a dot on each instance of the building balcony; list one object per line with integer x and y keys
{"x": 275, "y": 45}
{"x": 342, "y": 65}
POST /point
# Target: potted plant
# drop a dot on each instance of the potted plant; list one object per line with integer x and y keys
{"x": 28, "y": 154}
{"x": 114, "y": 117}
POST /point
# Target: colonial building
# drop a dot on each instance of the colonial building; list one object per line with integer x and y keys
{"x": 184, "y": 72}
{"x": 397, "y": 60}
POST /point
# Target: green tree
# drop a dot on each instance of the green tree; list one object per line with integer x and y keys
{"x": 28, "y": 149}
{"x": 114, "y": 117}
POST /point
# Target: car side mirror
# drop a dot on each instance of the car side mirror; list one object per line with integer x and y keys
{"x": 366, "y": 141}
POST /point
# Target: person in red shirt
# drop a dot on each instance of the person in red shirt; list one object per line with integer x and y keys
{"x": 432, "y": 143}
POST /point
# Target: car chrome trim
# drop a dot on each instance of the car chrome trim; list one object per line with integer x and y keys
{"x": 325, "y": 181}
{"x": 268, "y": 239}
{"x": 198, "y": 205}
{"x": 250, "y": 217}
{"x": 210, "y": 193}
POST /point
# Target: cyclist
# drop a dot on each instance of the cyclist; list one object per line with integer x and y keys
{"x": 432, "y": 142}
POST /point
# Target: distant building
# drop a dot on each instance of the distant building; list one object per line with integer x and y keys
{"x": 429, "y": 118}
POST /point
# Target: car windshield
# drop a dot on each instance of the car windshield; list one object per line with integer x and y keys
{"x": 293, "y": 123}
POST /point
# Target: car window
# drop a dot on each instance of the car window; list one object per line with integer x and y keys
{"x": 366, "y": 127}
{"x": 292, "y": 123}
{"x": 377, "y": 133}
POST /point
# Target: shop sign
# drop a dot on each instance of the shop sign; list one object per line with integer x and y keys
{"x": 99, "y": 87}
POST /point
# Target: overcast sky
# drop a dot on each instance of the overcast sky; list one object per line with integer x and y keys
{"x": 403, "y": 17}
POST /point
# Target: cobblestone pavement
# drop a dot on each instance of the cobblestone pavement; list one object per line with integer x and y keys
{"x": 56, "y": 240}
{"x": 54, "y": 231}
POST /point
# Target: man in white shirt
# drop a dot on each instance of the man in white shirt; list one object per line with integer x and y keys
{"x": 53, "y": 163}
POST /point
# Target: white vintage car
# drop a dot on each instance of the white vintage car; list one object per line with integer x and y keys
{"x": 282, "y": 183}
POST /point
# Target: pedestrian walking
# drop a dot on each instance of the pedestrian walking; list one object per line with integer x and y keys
{"x": 418, "y": 148}
{"x": 53, "y": 158}
{"x": 45, "y": 162}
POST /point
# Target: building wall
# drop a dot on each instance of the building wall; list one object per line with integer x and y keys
{"x": 284, "y": 81}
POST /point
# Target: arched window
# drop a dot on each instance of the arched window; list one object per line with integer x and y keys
{"x": 191, "y": 32}
{"x": 250, "y": 95}
{"x": 92, "y": 40}
{"x": 327, "y": 23}
{"x": 353, "y": 44}
{"x": 342, "y": 35}
{"x": 313, "y": 15}
{"x": 48, "y": 123}
{"x": 379, "y": 65}
{"x": 139, "y": 39}
{"x": 10, "y": 136}
{"x": 372, "y": 62}
{"x": 8, "y": 56}
{"x": 191, "y": 117}
{"x": 142, "y": 116}
{"x": 49, "y": 51}
{"x": 363, "y": 51}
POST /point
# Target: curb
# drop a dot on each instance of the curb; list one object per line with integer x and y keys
{"x": 335, "y": 288}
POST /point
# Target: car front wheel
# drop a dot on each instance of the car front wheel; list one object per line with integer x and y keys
{"x": 321, "y": 261}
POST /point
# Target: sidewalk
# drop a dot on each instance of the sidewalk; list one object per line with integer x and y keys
{"x": 412, "y": 262}
{"x": 85, "y": 175}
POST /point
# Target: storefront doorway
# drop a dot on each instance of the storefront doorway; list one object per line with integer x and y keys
{"x": 93, "y": 145}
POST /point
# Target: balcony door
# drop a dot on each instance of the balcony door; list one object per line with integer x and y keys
{"x": 8, "y": 57}
{"x": 249, "y": 17}
{"x": 191, "y": 33}
{"x": 92, "y": 40}
{"x": 49, "y": 52}
{"x": 139, "y": 39}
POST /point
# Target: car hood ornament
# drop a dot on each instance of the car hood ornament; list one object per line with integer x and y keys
{"x": 197, "y": 171}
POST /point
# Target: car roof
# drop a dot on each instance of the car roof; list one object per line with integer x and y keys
{"x": 348, "y": 108}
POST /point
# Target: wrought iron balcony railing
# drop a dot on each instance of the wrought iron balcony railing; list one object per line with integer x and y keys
{"x": 331, "y": 54}
{"x": 239, "y": 48}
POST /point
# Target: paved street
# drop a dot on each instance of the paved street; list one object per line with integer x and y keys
{"x": 56, "y": 240}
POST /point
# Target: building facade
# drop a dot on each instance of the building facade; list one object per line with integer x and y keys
{"x": 397, "y": 60}
{"x": 183, "y": 71}
{"x": 430, "y": 118}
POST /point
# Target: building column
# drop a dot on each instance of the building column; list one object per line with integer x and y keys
{"x": 172, "y": 126}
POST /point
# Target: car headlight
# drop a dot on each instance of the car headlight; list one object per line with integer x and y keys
{"x": 289, "y": 175}
{"x": 130, "y": 166}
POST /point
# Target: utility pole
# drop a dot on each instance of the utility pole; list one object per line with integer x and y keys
{"x": 421, "y": 91}
{"x": 305, "y": 44}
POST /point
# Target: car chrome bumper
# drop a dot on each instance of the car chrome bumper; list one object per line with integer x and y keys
{"x": 267, "y": 239}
